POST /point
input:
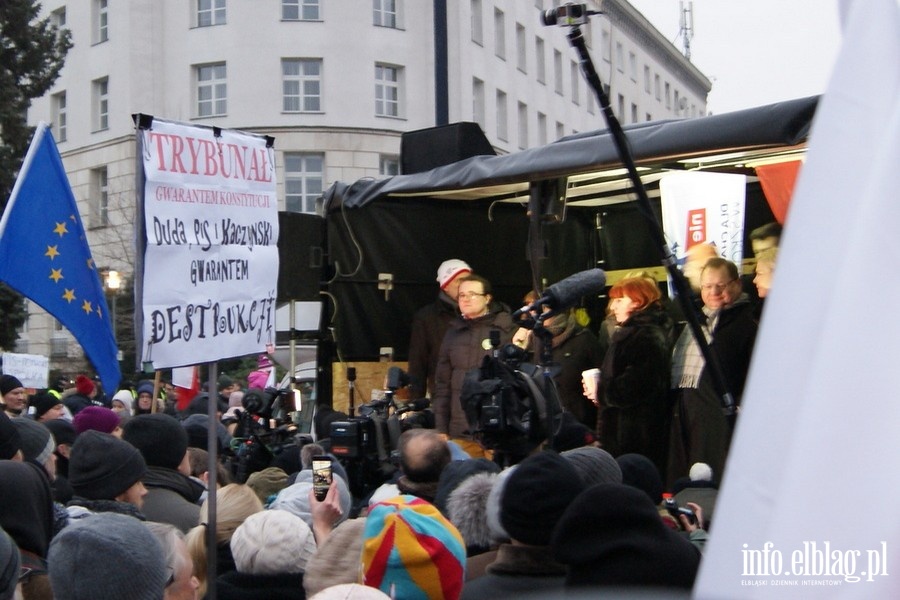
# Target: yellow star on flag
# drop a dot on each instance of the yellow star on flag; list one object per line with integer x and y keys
{"x": 99, "y": 311}
{"x": 86, "y": 307}
{"x": 52, "y": 252}
{"x": 56, "y": 275}
{"x": 60, "y": 229}
{"x": 69, "y": 295}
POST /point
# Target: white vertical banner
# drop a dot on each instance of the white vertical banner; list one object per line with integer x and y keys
{"x": 211, "y": 261}
{"x": 699, "y": 207}
{"x": 808, "y": 508}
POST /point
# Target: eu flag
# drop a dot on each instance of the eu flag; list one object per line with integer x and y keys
{"x": 44, "y": 255}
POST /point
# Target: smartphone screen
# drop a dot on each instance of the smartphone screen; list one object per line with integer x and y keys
{"x": 321, "y": 467}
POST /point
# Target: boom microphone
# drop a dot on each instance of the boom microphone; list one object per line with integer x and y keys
{"x": 568, "y": 292}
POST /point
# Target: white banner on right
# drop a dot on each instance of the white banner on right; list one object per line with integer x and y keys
{"x": 701, "y": 208}
{"x": 809, "y": 505}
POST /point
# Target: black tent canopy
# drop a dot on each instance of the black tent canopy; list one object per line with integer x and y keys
{"x": 729, "y": 141}
{"x": 475, "y": 210}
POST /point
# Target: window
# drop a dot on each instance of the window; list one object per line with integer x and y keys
{"x": 499, "y": 33}
{"x": 677, "y": 106}
{"x": 590, "y": 102}
{"x": 620, "y": 57}
{"x": 101, "y": 21}
{"x": 301, "y": 84}
{"x": 560, "y": 130}
{"x": 303, "y": 176}
{"x": 300, "y": 10}
{"x": 558, "y": 72}
{"x": 575, "y": 76}
{"x": 99, "y": 200}
{"x": 100, "y": 102}
{"x": 210, "y": 12}
{"x": 477, "y": 23}
{"x": 388, "y": 165}
{"x": 646, "y": 79}
{"x": 58, "y": 17}
{"x": 634, "y": 118}
{"x": 606, "y": 42}
{"x": 621, "y": 112}
{"x": 542, "y": 128}
{"x": 540, "y": 60}
{"x": 478, "y": 102}
{"x": 384, "y": 13}
{"x": 656, "y": 86}
{"x": 632, "y": 66}
{"x": 668, "y": 96}
{"x": 212, "y": 90}
{"x": 648, "y": 117}
{"x": 60, "y": 120}
{"x": 502, "y": 125}
{"x": 523, "y": 126}
{"x": 521, "y": 62}
{"x": 387, "y": 90}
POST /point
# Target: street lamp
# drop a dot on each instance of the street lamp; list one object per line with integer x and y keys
{"x": 112, "y": 281}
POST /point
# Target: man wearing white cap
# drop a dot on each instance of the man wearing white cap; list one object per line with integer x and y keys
{"x": 429, "y": 326}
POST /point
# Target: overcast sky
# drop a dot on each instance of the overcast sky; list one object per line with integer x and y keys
{"x": 756, "y": 52}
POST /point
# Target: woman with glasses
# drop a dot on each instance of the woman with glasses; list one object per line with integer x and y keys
{"x": 465, "y": 345}
{"x": 634, "y": 378}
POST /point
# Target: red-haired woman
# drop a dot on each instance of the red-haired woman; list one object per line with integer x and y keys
{"x": 635, "y": 374}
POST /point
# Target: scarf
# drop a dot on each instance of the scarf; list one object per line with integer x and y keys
{"x": 687, "y": 360}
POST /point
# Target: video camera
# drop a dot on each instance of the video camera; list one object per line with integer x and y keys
{"x": 264, "y": 429}
{"x": 509, "y": 404}
{"x": 367, "y": 444}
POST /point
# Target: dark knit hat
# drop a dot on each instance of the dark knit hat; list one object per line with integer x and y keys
{"x": 84, "y": 385}
{"x": 612, "y": 535}
{"x": 102, "y": 466}
{"x": 107, "y": 555}
{"x": 161, "y": 439}
{"x": 145, "y": 387}
{"x": 42, "y": 402}
{"x": 98, "y": 418}
{"x": 594, "y": 465}
{"x": 9, "y": 565}
{"x": 62, "y": 430}
{"x": 10, "y": 440}
{"x": 9, "y": 383}
{"x": 536, "y": 495}
{"x": 37, "y": 441}
{"x": 224, "y": 381}
{"x": 572, "y": 434}
{"x": 640, "y": 472}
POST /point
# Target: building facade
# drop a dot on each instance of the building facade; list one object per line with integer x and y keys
{"x": 335, "y": 83}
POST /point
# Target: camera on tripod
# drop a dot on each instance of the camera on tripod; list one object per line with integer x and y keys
{"x": 264, "y": 429}
{"x": 509, "y": 404}
{"x": 367, "y": 444}
{"x": 567, "y": 15}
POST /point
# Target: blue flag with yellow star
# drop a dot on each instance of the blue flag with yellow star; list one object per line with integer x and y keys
{"x": 44, "y": 254}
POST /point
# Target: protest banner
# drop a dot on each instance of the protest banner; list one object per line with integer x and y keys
{"x": 210, "y": 259}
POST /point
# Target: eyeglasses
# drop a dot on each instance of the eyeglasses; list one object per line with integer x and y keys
{"x": 716, "y": 287}
{"x": 469, "y": 295}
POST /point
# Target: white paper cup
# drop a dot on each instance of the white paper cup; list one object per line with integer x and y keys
{"x": 590, "y": 379}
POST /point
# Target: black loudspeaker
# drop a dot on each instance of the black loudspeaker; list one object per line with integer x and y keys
{"x": 426, "y": 149}
{"x": 301, "y": 255}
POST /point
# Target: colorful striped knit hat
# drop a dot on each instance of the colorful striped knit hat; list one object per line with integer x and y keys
{"x": 411, "y": 551}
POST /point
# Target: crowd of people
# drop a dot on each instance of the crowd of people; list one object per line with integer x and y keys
{"x": 107, "y": 496}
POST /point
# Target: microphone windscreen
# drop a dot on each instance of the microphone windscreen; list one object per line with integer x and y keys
{"x": 569, "y": 291}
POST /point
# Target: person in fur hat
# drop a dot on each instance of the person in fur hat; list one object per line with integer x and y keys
{"x": 534, "y": 498}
